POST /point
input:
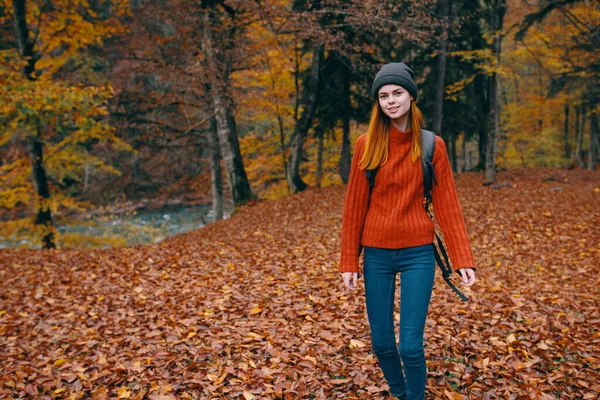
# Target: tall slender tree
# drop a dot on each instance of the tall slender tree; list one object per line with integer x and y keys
{"x": 215, "y": 170}
{"x": 219, "y": 67}
{"x": 497, "y": 11}
{"x": 308, "y": 105}
{"x": 594, "y": 146}
{"x": 345, "y": 161}
{"x": 36, "y": 145}
{"x": 440, "y": 87}
{"x": 566, "y": 134}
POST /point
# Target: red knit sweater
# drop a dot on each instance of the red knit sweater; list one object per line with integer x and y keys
{"x": 395, "y": 217}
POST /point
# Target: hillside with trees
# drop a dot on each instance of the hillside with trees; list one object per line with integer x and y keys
{"x": 222, "y": 102}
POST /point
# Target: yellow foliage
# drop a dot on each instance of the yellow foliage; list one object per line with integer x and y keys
{"x": 67, "y": 27}
{"x": 532, "y": 120}
{"x": 68, "y": 118}
{"x": 331, "y": 159}
{"x": 268, "y": 98}
{"x": 269, "y": 88}
{"x": 264, "y": 164}
{"x": 77, "y": 240}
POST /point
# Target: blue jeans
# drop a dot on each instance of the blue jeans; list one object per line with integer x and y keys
{"x": 416, "y": 266}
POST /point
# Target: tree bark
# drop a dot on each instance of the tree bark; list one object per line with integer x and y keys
{"x": 86, "y": 173}
{"x": 567, "y": 146}
{"x": 36, "y": 144}
{"x": 480, "y": 91}
{"x": 283, "y": 148}
{"x": 215, "y": 171}
{"x": 579, "y": 128}
{"x": 498, "y": 11}
{"x": 228, "y": 140}
{"x": 490, "y": 160}
{"x": 309, "y": 105}
{"x": 40, "y": 184}
{"x": 320, "y": 138}
{"x": 345, "y": 159}
{"x": 23, "y": 40}
{"x": 466, "y": 166}
{"x": 594, "y": 139}
{"x": 441, "y": 72}
{"x": 453, "y": 152}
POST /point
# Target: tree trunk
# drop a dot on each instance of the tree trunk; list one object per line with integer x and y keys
{"x": 579, "y": 128}
{"x": 481, "y": 98}
{"x": 23, "y": 40}
{"x": 320, "y": 137}
{"x": 498, "y": 12}
{"x": 480, "y": 92}
{"x": 490, "y": 161}
{"x": 345, "y": 160}
{"x": 567, "y": 146}
{"x": 594, "y": 139}
{"x": 483, "y": 140}
{"x": 40, "y": 184}
{"x": 36, "y": 144}
{"x": 215, "y": 171}
{"x": 228, "y": 140}
{"x": 464, "y": 154}
{"x": 283, "y": 149}
{"x": 453, "y": 152}
{"x": 441, "y": 72}
{"x": 86, "y": 173}
{"x": 309, "y": 105}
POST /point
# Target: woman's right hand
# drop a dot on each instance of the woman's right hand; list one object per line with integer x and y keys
{"x": 350, "y": 279}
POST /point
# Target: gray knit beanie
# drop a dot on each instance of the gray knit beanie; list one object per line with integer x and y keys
{"x": 398, "y": 74}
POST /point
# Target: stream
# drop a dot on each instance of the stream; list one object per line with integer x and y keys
{"x": 143, "y": 226}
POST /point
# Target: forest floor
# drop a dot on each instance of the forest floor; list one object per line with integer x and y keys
{"x": 253, "y": 306}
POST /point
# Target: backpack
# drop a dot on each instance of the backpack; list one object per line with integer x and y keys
{"x": 428, "y": 149}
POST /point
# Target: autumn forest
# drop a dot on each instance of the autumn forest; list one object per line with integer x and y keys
{"x": 250, "y": 111}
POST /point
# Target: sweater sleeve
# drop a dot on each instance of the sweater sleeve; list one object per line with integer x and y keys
{"x": 448, "y": 211}
{"x": 355, "y": 209}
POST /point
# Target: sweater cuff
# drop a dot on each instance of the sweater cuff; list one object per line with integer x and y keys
{"x": 349, "y": 264}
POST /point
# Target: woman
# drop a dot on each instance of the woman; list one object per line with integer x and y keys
{"x": 395, "y": 230}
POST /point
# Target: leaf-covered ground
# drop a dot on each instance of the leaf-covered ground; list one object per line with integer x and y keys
{"x": 253, "y": 306}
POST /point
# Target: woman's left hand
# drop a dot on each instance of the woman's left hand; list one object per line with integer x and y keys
{"x": 467, "y": 275}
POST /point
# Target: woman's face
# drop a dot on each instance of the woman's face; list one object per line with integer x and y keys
{"x": 394, "y": 100}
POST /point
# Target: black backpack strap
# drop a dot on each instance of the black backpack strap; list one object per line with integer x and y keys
{"x": 428, "y": 149}
{"x": 441, "y": 257}
{"x": 370, "y": 174}
{"x": 444, "y": 265}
